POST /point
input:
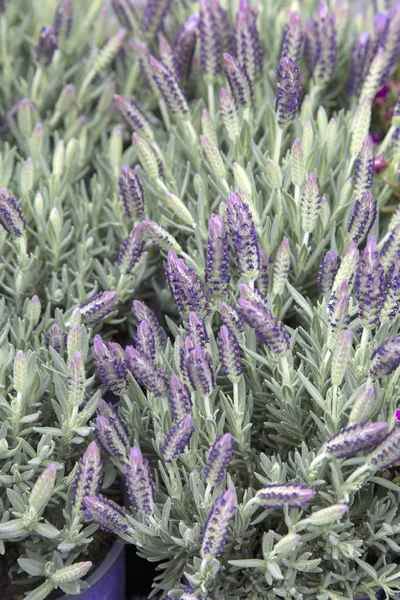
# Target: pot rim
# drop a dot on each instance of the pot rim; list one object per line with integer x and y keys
{"x": 106, "y": 564}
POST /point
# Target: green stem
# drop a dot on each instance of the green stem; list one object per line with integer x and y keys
{"x": 132, "y": 77}
{"x": 4, "y": 59}
{"x": 36, "y": 84}
{"x": 207, "y": 407}
{"x": 236, "y": 397}
{"x": 334, "y": 410}
{"x": 211, "y": 99}
{"x": 286, "y": 379}
{"x": 278, "y": 144}
{"x": 85, "y": 84}
{"x": 165, "y": 114}
{"x": 207, "y": 493}
{"x": 387, "y": 140}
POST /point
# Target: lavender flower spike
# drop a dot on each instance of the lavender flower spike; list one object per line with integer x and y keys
{"x": 169, "y": 88}
{"x": 218, "y": 459}
{"x": 277, "y": 495}
{"x": 217, "y": 264}
{"x": 177, "y": 439}
{"x": 98, "y": 308}
{"x": 391, "y": 304}
{"x": 179, "y": 399}
{"x": 288, "y": 99}
{"x": 386, "y": 358}
{"x": 216, "y": 528}
{"x": 239, "y": 81}
{"x": 338, "y": 310}
{"x": 131, "y": 193}
{"x": 11, "y": 217}
{"x": 321, "y": 45}
{"x": 356, "y": 438}
{"x": 370, "y": 281}
{"x": 56, "y": 338}
{"x": 88, "y": 476}
{"x": 196, "y": 330}
{"x": 184, "y": 46}
{"x": 281, "y": 267}
{"x": 141, "y": 312}
{"x": 159, "y": 236}
{"x": 154, "y": 14}
{"x": 229, "y": 114}
{"x": 310, "y": 204}
{"x": 211, "y": 41}
{"x": 186, "y": 286}
{"x": 42, "y": 490}
{"x": 145, "y": 341}
{"x": 231, "y": 319}
{"x": 46, "y": 47}
{"x": 200, "y": 371}
{"x": 111, "y": 413}
{"x": 363, "y": 217}
{"x": 364, "y": 168}
{"x": 243, "y": 234}
{"x": 229, "y": 354}
{"x": 76, "y": 380}
{"x": 348, "y": 266}
{"x": 106, "y": 513}
{"x": 388, "y": 451}
{"x": 146, "y": 372}
{"x": 110, "y": 361}
{"x": 363, "y": 405}
{"x": 360, "y": 62}
{"x": 292, "y": 39}
{"x": 131, "y": 250}
{"x": 327, "y": 271}
{"x": 267, "y": 327}
{"x": 125, "y": 12}
{"x": 247, "y": 40}
{"x": 134, "y": 117}
{"x": 109, "y": 439}
{"x": 139, "y": 482}
{"x": 63, "y": 20}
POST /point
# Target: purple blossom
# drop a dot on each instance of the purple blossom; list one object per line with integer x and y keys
{"x": 145, "y": 341}
{"x": 267, "y": 327}
{"x": 363, "y": 217}
{"x": 239, "y": 81}
{"x": 179, "y": 399}
{"x": 385, "y": 358}
{"x": 63, "y": 20}
{"x": 131, "y": 250}
{"x": 109, "y": 411}
{"x": 111, "y": 364}
{"x": 360, "y": 62}
{"x": 131, "y": 192}
{"x": 88, "y": 476}
{"x": 46, "y": 47}
{"x": 109, "y": 439}
{"x": 159, "y": 236}
{"x": 288, "y": 99}
{"x": 177, "y": 439}
{"x": 231, "y": 319}
{"x": 146, "y": 372}
{"x": 196, "y": 330}
{"x": 278, "y": 495}
{"x": 248, "y": 47}
{"x": 217, "y": 263}
{"x": 186, "y": 287}
{"x": 56, "y": 338}
{"x": 153, "y": 18}
{"x": 321, "y": 46}
{"x": 218, "y": 459}
{"x": 98, "y": 308}
{"x": 106, "y": 513}
{"x": 243, "y": 235}
{"x": 364, "y": 168}
{"x": 262, "y": 282}
{"x": 184, "y": 46}
{"x": 126, "y": 13}
{"x": 229, "y": 354}
{"x": 370, "y": 281}
{"x": 200, "y": 371}
{"x": 170, "y": 89}
{"x": 215, "y": 34}
{"x": 144, "y": 62}
{"x": 11, "y": 217}
{"x": 292, "y": 39}
{"x": 141, "y": 312}
{"x": 133, "y": 116}
{"x": 388, "y": 452}
{"x": 338, "y": 309}
{"x": 216, "y": 527}
{"x": 139, "y": 482}
{"x": 359, "y": 437}
{"x": 254, "y": 295}
{"x": 182, "y": 351}
{"x": 391, "y": 246}
{"x": 229, "y": 114}
{"x": 391, "y": 304}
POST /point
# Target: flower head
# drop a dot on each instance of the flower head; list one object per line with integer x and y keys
{"x": 267, "y": 327}
{"x": 46, "y": 47}
{"x": 177, "y": 439}
{"x": 218, "y": 459}
{"x": 278, "y": 495}
{"x": 98, "y": 308}
{"x": 139, "y": 482}
{"x": 385, "y": 358}
{"x": 131, "y": 193}
{"x": 216, "y": 528}
{"x": 356, "y": 438}
{"x": 217, "y": 264}
{"x": 186, "y": 287}
{"x": 229, "y": 354}
{"x": 88, "y": 476}
{"x": 106, "y": 513}
{"x": 289, "y": 81}
{"x": 11, "y": 217}
{"x": 110, "y": 361}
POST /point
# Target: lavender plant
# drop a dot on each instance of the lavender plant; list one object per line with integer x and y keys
{"x": 216, "y": 157}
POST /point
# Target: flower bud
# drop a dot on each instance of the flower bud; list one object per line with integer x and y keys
{"x": 177, "y": 439}
{"x": 42, "y": 490}
{"x": 229, "y": 115}
{"x": 71, "y": 573}
{"x": 218, "y": 459}
{"x": 281, "y": 267}
{"x": 327, "y": 516}
{"x": 33, "y": 310}
{"x": 340, "y": 357}
{"x": 278, "y": 495}
{"x": 216, "y": 527}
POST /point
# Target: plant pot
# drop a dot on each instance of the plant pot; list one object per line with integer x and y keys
{"x": 108, "y": 581}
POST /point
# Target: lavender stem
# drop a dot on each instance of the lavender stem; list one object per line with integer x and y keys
{"x": 132, "y": 77}
{"x": 278, "y": 144}
{"x": 211, "y": 99}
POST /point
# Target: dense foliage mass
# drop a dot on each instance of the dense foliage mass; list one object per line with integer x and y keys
{"x": 200, "y": 281}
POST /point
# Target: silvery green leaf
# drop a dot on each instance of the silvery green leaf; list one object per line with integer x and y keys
{"x": 46, "y": 530}
{"x": 11, "y": 530}
{"x": 274, "y": 569}
{"x": 33, "y": 567}
{"x": 16, "y": 500}
{"x": 41, "y": 592}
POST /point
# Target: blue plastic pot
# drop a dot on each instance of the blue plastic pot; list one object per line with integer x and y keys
{"x": 108, "y": 581}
